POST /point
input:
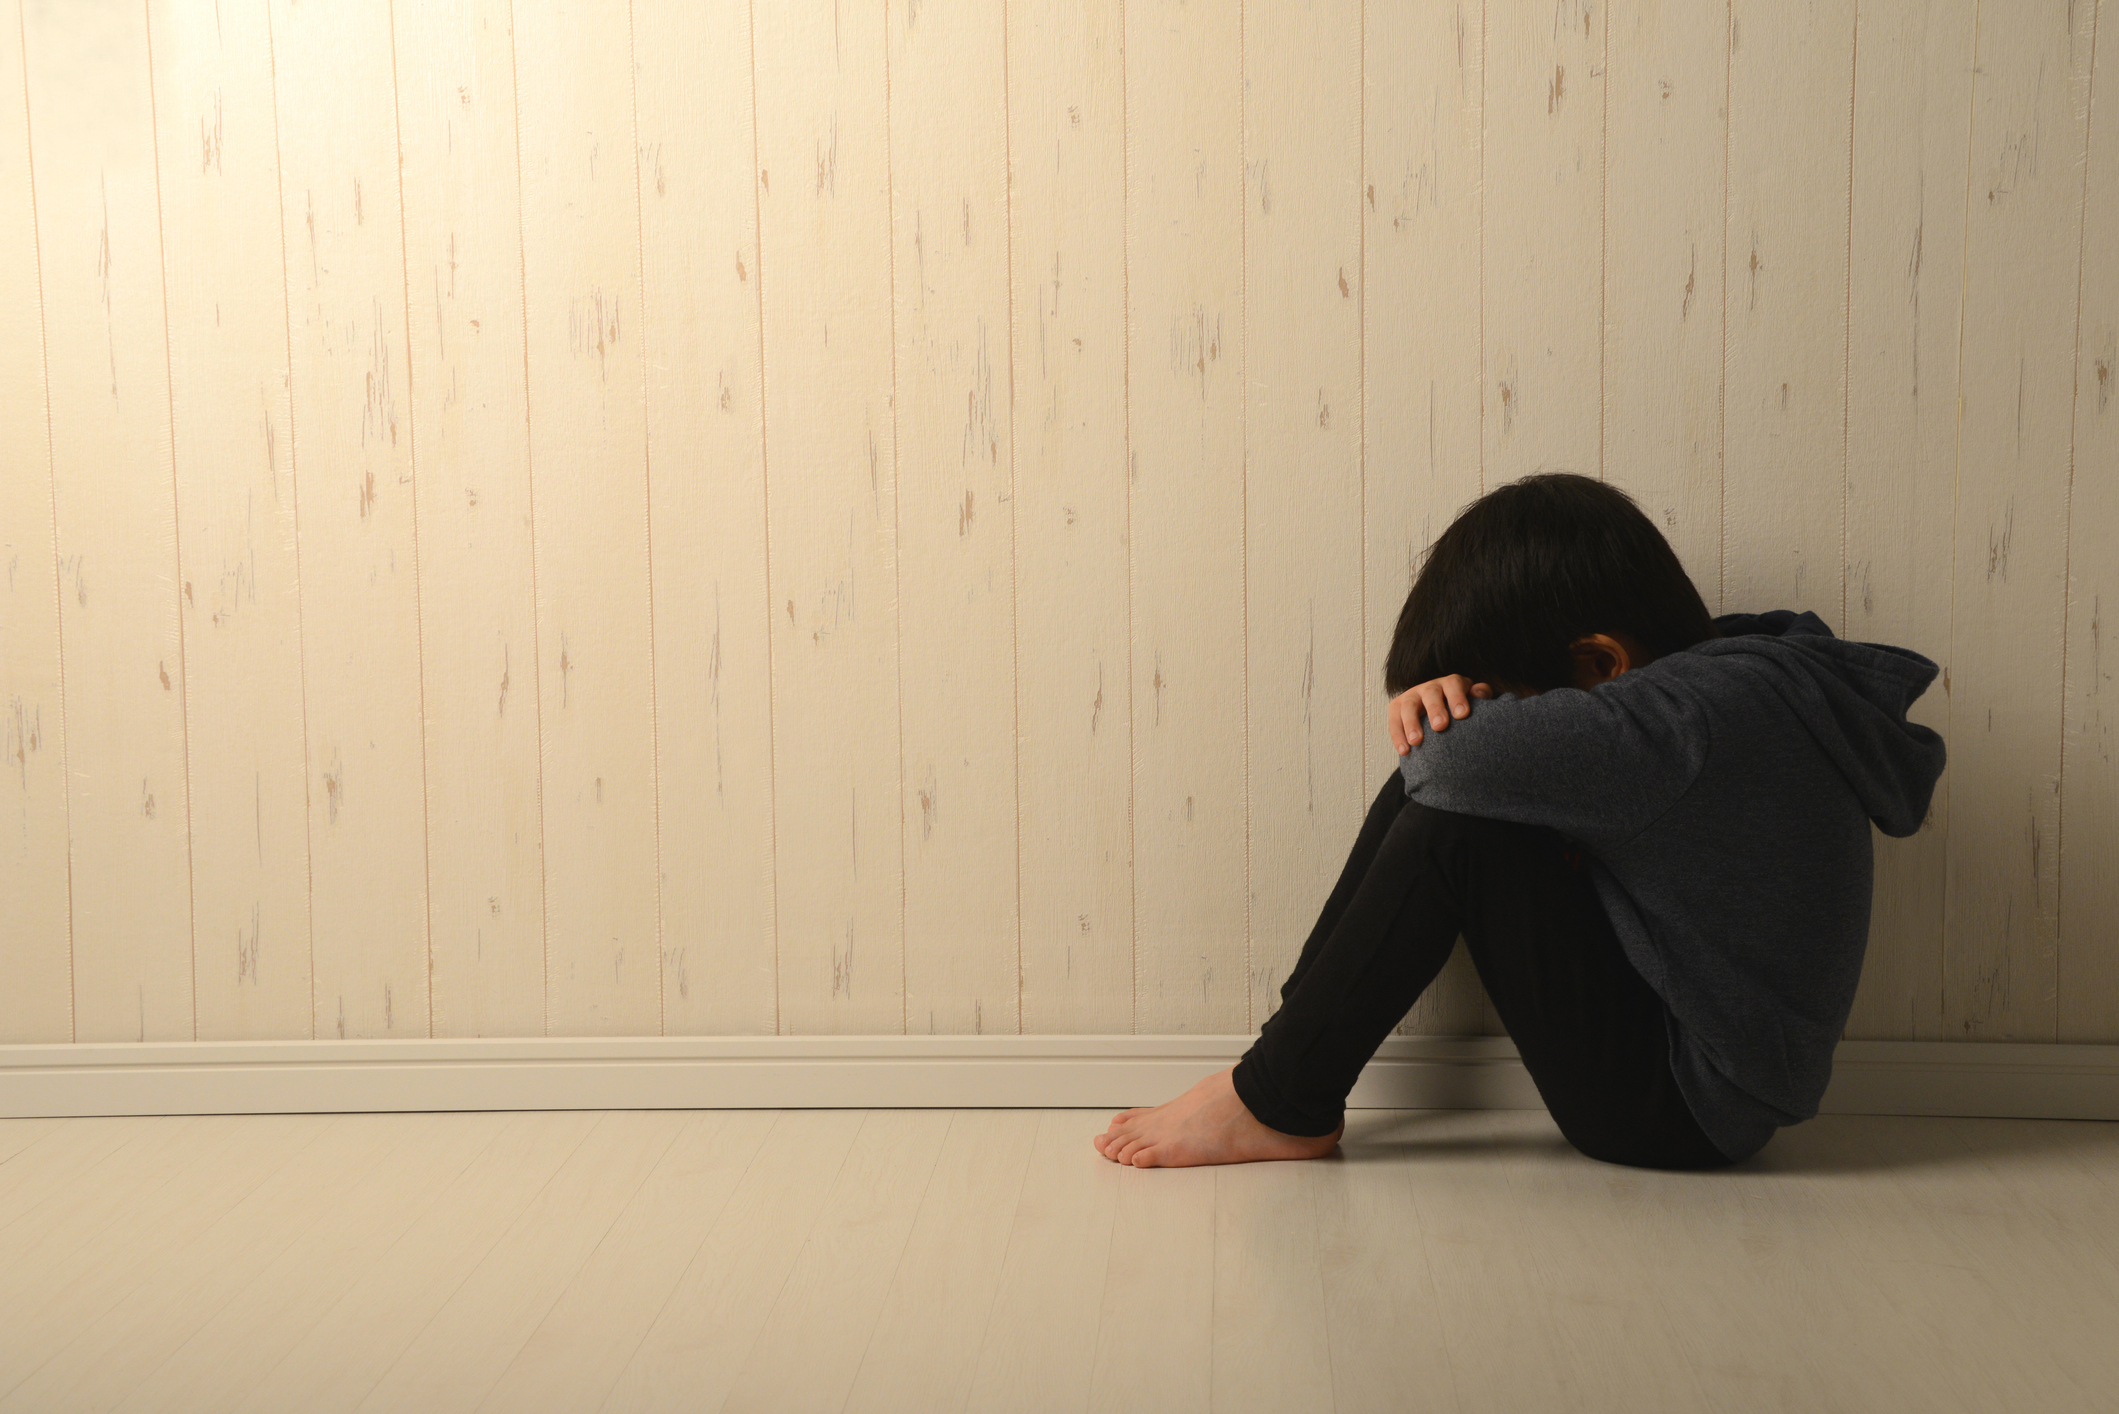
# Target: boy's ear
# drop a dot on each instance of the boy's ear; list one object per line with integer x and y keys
{"x": 1600, "y": 657}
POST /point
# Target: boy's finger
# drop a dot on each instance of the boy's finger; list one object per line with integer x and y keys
{"x": 1437, "y": 705}
{"x": 1453, "y": 689}
{"x": 1390, "y": 718}
{"x": 1482, "y": 690}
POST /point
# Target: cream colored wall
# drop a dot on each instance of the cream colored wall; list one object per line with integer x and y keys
{"x": 729, "y": 517}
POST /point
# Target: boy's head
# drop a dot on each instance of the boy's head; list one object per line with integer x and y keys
{"x": 1528, "y": 571}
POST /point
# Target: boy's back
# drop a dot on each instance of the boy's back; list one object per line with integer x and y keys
{"x": 1724, "y": 794}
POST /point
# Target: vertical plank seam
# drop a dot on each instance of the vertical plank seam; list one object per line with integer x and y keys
{"x": 2067, "y": 517}
{"x": 1846, "y": 361}
{"x": 1125, "y": 276}
{"x": 647, "y": 476}
{"x": 1015, "y": 507}
{"x": 897, "y": 1262}
{"x": 1243, "y": 415}
{"x": 419, "y": 631}
{"x": 1964, "y": 280}
{"x": 1361, "y": 324}
{"x": 529, "y": 476}
{"x": 294, "y": 482}
{"x": 1015, "y": 1212}
{"x": 1485, "y": 58}
{"x": 1096, "y": 1341}
{"x": 704, "y": 1223}
{"x": 1721, "y": 397}
{"x": 772, "y": 765}
{"x": 1603, "y": 244}
{"x": 51, "y": 471}
{"x": 897, "y": 575}
{"x": 176, "y": 522}
{"x": 1846, "y": 376}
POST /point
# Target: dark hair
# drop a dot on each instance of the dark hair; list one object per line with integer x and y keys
{"x": 1530, "y": 567}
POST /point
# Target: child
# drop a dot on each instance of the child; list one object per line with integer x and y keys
{"x": 1650, "y": 827}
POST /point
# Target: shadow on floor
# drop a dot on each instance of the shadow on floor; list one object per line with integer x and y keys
{"x": 1829, "y": 1144}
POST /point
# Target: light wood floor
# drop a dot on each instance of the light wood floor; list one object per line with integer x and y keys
{"x": 988, "y": 1260}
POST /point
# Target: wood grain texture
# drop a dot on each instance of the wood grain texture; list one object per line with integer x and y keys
{"x": 832, "y": 469}
{"x": 1542, "y": 238}
{"x": 38, "y": 1003}
{"x": 1271, "y": 1348}
{"x": 697, "y": 1342}
{"x": 576, "y": 1353}
{"x": 92, "y": 134}
{"x": 2024, "y": 247}
{"x": 284, "y": 1297}
{"x": 1422, "y": 133}
{"x": 1791, "y": 77}
{"x": 1912, "y": 92}
{"x": 1185, "y": 320}
{"x": 1047, "y": 1307}
{"x": 237, "y": 507}
{"x": 508, "y": 1293}
{"x": 1155, "y": 1339}
{"x": 1305, "y": 727}
{"x": 463, "y": 262}
{"x": 2089, "y": 789}
{"x": 589, "y": 512}
{"x": 1372, "y": 1261}
{"x": 56, "y": 1167}
{"x": 914, "y": 500}
{"x": 1858, "y": 1264}
{"x": 1667, "y": 135}
{"x": 1074, "y": 687}
{"x": 206, "y": 1256}
{"x": 950, "y": 1271}
{"x": 954, "y": 396}
{"x": 344, "y": 236}
{"x": 357, "y": 1343}
{"x": 45, "y": 1242}
{"x": 713, "y": 689}
{"x": 842, "y": 1277}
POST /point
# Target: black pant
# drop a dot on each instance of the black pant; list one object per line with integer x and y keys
{"x": 1591, "y": 1032}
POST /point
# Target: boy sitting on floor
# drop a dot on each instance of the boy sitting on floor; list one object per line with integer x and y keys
{"x": 1650, "y": 827}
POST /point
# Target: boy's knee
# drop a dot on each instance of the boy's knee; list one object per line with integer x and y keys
{"x": 1429, "y": 823}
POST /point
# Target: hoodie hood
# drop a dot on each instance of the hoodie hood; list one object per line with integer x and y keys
{"x": 1852, "y": 697}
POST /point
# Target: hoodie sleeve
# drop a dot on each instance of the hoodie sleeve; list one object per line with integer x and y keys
{"x": 1599, "y": 766}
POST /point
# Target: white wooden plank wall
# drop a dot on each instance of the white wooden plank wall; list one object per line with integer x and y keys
{"x": 359, "y": 529}
{"x": 1186, "y": 217}
{"x": 1067, "y": 143}
{"x": 1905, "y": 245}
{"x": 575, "y": 516}
{"x": 238, "y": 544}
{"x": 1421, "y": 137}
{"x": 455, "y": 102}
{"x": 700, "y": 312}
{"x": 953, "y": 354}
{"x": 33, "y": 713}
{"x": 126, "y": 817}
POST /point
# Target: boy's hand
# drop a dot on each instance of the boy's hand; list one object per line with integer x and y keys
{"x": 1438, "y": 701}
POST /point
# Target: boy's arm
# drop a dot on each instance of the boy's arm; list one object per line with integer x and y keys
{"x": 1599, "y": 766}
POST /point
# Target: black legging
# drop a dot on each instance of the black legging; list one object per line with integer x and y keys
{"x": 1591, "y": 1032}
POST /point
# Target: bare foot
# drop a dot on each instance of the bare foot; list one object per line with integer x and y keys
{"x": 1205, "y": 1125}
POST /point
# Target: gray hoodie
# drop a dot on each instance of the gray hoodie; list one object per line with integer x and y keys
{"x": 1724, "y": 795}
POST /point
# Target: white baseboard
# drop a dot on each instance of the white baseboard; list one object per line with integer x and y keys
{"x": 809, "y": 1072}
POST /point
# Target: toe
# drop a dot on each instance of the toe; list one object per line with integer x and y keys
{"x": 1144, "y": 1157}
